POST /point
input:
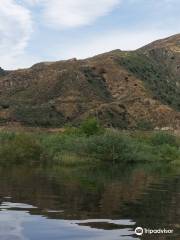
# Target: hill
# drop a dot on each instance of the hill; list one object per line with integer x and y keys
{"x": 135, "y": 89}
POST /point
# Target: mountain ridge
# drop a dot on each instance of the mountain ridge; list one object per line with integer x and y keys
{"x": 124, "y": 89}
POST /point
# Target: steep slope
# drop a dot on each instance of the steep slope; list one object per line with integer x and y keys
{"x": 166, "y": 55}
{"x": 122, "y": 89}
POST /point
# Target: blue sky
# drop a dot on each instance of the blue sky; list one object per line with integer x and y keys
{"x": 47, "y": 30}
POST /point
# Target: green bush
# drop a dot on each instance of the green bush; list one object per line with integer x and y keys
{"x": 168, "y": 153}
{"x": 90, "y": 127}
{"x": 118, "y": 148}
{"x": 74, "y": 147}
{"x": 161, "y": 138}
{"x": 145, "y": 125}
{"x": 21, "y": 149}
{"x": 6, "y": 136}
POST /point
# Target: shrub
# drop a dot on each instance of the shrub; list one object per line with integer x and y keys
{"x": 118, "y": 148}
{"x": 71, "y": 148}
{"x": 91, "y": 127}
{"x": 6, "y": 136}
{"x": 20, "y": 149}
{"x": 161, "y": 138}
{"x": 168, "y": 153}
{"x": 145, "y": 125}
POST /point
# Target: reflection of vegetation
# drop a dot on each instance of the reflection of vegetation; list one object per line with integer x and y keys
{"x": 87, "y": 192}
{"x": 88, "y": 144}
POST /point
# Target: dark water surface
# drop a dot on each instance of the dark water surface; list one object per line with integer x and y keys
{"x": 88, "y": 203}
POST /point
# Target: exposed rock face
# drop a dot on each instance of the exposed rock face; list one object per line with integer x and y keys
{"x": 122, "y": 89}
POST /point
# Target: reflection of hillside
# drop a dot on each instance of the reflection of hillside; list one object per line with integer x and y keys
{"x": 147, "y": 198}
{"x": 78, "y": 196}
{"x": 160, "y": 206}
{"x": 117, "y": 194}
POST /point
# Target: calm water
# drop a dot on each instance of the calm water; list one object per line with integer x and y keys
{"x": 80, "y": 204}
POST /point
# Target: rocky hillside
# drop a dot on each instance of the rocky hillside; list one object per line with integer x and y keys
{"x": 137, "y": 89}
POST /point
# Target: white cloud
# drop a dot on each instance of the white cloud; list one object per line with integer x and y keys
{"x": 73, "y": 13}
{"x": 15, "y": 30}
{"x": 22, "y": 60}
{"x": 16, "y": 22}
{"x": 11, "y": 225}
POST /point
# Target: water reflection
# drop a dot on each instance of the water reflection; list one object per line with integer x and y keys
{"x": 19, "y": 224}
{"x": 87, "y": 203}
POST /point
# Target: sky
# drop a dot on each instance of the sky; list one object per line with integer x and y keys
{"x": 34, "y": 31}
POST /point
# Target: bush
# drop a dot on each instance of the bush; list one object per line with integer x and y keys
{"x": 168, "y": 153}
{"x": 91, "y": 127}
{"x": 20, "y": 149}
{"x": 118, "y": 148}
{"x": 145, "y": 125}
{"x": 6, "y": 136}
{"x": 161, "y": 138}
{"x": 73, "y": 147}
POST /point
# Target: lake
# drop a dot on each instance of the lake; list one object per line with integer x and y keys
{"x": 104, "y": 203}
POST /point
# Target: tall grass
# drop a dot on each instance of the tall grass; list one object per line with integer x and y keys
{"x": 19, "y": 148}
{"x": 76, "y": 147}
